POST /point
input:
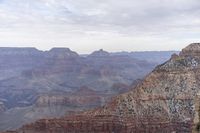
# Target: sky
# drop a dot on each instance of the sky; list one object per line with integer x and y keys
{"x": 88, "y": 25}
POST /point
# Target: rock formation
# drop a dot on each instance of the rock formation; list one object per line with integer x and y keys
{"x": 85, "y": 98}
{"x": 196, "y": 120}
{"x": 162, "y": 102}
{"x": 192, "y": 49}
{"x": 100, "y": 53}
{"x": 61, "y": 53}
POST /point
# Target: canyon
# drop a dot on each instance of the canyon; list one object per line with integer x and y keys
{"x": 164, "y": 101}
{"x": 38, "y": 84}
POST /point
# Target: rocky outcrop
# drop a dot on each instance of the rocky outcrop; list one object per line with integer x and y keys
{"x": 100, "y": 53}
{"x": 191, "y": 50}
{"x": 196, "y": 120}
{"x": 162, "y": 102}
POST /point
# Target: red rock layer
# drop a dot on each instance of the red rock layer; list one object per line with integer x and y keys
{"x": 104, "y": 124}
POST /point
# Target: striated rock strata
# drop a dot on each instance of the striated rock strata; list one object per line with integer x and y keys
{"x": 80, "y": 98}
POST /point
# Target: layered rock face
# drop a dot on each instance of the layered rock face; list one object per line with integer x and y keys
{"x": 162, "y": 102}
{"x": 83, "y": 97}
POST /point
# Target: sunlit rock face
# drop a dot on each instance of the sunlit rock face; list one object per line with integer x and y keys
{"x": 163, "y": 102}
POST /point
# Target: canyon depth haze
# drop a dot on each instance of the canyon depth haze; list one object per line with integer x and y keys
{"x": 99, "y": 66}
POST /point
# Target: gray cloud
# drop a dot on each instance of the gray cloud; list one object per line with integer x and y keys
{"x": 90, "y": 24}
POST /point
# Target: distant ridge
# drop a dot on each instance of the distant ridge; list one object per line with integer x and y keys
{"x": 99, "y": 53}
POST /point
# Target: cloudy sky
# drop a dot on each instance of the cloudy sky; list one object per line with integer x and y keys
{"x": 87, "y": 25}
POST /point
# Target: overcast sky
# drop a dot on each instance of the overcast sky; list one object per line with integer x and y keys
{"x": 87, "y": 25}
